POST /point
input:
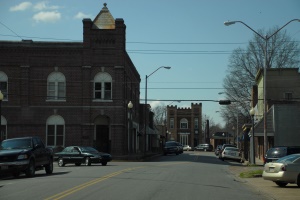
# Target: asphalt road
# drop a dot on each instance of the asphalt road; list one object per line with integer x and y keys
{"x": 189, "y": 176}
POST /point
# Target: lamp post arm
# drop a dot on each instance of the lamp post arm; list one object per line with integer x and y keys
{"x": 268, "y": 37}
{"x": 247, "y": 27}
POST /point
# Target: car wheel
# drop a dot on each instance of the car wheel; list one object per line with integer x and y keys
{"x": 77, "y": 164}
{"x": 30, "y": 171}
{"x": 87, "y": 161}
{"x": 298, "y": 180}
{"x": 61, "y": 162}
{"x": 280, "y": 184}
{"x": 49, "y": 167}
{"x": 104, "y": 163}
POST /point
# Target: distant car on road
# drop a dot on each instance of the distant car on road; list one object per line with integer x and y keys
{"x": 231, "y": 153}
{"x": 275, "y": 153}
{"x": 283, "y": 171}
{"x": 223, "y": 147}
{"x": 171, "y": 147}
{"x": 81, "y": 155}
{"x": 187, "y": 148}
{"x": 203, "y": 147}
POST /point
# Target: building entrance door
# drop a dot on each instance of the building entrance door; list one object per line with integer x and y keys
{"x": 102, "y": 138}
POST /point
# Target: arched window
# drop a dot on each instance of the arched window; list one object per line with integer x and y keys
{"x": 103, "y": 86}
{"x": 3, "y": 84}
{"x": 184, "y": 123}
{"x": 55, "y": 131}
{"x": 56, "y": 86}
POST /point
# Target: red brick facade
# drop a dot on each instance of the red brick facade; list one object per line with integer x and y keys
{"x": 191, "y": 134}
{"x": 85, "y": 120}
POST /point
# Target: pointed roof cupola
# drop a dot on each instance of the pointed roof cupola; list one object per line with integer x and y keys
{"x": 104, "y": 20}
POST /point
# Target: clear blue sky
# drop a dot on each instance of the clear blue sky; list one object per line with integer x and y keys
{"x": 189, "y": 36}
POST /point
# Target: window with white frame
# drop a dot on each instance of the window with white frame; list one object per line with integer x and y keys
{"x": 196, "y": 123}
{"x": 103, "y": 86}
{"x": 55, "y": 131}
{"x": 56, "y": 86}
{"x": 3, "y": 84}
{"x": 184, "y": 123}
{"x": 171, "y": 122}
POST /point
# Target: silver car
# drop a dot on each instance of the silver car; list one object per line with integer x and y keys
{"x": 283, "y": 171}
{"x": 231, "y": 153}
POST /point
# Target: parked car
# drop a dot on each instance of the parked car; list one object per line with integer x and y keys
{"x": 231, "y": 153}
{"x": 203, "y": 147}
{"x": 218, "y": 149}
{"x": 283, "y": 171}
{"x": 81, "y": 155}
{"x": 223, "y": 147}
{"x": 275, "y": 153}
{"x": 187, "y": 148}
{"x": 180, "y": 147}
{"x": 25, "y": 155}
{"x": 171, "y": 147}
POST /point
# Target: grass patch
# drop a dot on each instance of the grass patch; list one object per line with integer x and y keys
{"x": 251, "y": 174}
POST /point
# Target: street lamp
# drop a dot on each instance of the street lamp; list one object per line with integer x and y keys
{"x": 265, "y": 38}
{"x": 1, "y": 98}
{"x": 130, "y": 106}
{"x": 145, "y": 124}
{"x": 252, "y": 142}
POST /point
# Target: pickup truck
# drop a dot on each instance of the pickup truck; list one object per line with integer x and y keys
{"x": 25, "y": 155}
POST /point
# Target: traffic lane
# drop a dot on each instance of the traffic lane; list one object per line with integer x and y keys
{"x": 63, "y": 178}
{"x": 172, "y": 177}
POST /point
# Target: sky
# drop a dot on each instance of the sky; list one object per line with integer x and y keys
{"x": 188, "y": 36}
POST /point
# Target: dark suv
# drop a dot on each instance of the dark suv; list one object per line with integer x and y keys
{"x": 171, "y": 148}
{"x": 25, "y": 155}
{"x": 275, "y": 153}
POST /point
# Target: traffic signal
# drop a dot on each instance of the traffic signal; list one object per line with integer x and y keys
{"x": 224, "y": 102}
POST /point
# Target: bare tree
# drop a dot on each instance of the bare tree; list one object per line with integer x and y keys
{"x": 159, "y": 114}
{"x": 245, "y": 63}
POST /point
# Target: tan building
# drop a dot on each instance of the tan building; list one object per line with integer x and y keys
{"x": 184, "y": 124}
{"x": 283, "y": 105}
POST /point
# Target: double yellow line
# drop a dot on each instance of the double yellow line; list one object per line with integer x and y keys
{"x": 87, "y": 184}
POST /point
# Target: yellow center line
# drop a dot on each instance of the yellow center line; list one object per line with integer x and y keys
{"x": 89, "y": 183}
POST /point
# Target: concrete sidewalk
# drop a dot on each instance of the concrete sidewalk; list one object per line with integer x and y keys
{"x": 265, "y": 187}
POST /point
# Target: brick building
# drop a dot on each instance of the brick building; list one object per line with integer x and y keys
{"x": 184, "y": 124}
{"x": 73, "y": 93}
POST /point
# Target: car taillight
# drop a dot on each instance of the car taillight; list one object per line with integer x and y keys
{"x": 283, "y": 168}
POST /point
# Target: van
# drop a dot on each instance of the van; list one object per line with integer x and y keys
{"x": 275, "y": 153}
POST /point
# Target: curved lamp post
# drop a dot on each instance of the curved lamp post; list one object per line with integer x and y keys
{"x": 265, "y": 38}
{"x": 145, "y": 123}
{"x": 130, "y": 106}
{"x": 252, "y": 143}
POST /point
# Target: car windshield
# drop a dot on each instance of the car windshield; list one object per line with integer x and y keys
{"x": 171, "y": 144}
{"x": 277, "y": 152}
{"x": 16, "y": 144}
{"x": 288, "y": 159}
{"x": 89, "y": 149}
{"x": 231, "y": 149}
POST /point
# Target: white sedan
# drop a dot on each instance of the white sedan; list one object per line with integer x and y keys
{"x": 231, "y": 153}
{"x": 283, "y": 171}
{"x": 187, "y": 148}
